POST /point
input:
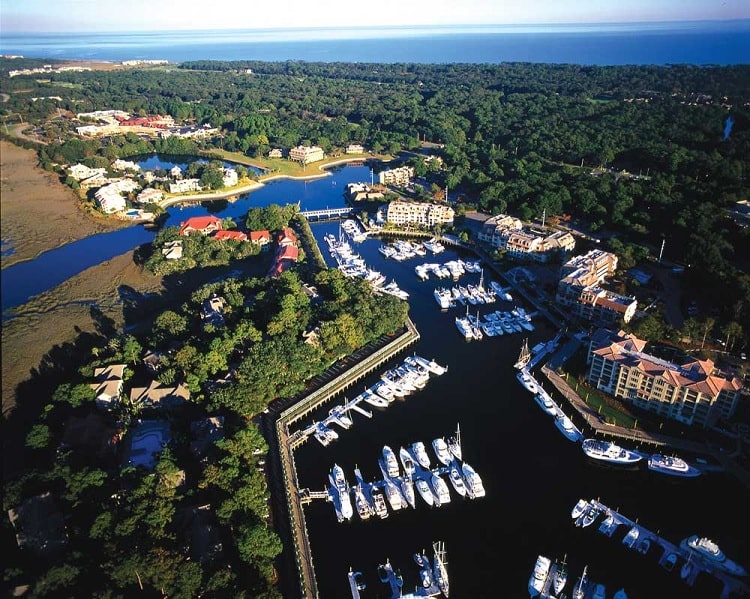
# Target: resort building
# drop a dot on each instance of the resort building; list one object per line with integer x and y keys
{"x": 79, "y": 172}
{"x": 204, "y": 225}
{"x": 150, "y": 196}
{"x": 507, "y": 233}
{"x": 234, "y": 235}
{"x": 400, "y": 177}
{"x": 354, "y": 149}
{"x": 694, "y": 393}
{"x": 156, "y": 395}
{"x": 184, "y": 185}
{"x": 125, "y": 165}
{"x": 110, "y": 198}
{"x": 108, "y": 385}
{"x": 275, "y": 153}
{"x": 418, "y": 213}
{"x": 306, "y": 154}
{"x": 261, "y": 238}
{"x": 359, "y": 192}
{"x": 579, "y": 290}
{"x": 229, "y": 177}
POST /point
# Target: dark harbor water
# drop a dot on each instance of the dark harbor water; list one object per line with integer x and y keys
{"x": 693, "y": 42}
{"x": 532, "y": 474}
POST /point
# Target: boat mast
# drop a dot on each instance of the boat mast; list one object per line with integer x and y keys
{"x": 525, "y": 356}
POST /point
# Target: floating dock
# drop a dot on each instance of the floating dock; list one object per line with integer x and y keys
{"x": 645, "y": 539}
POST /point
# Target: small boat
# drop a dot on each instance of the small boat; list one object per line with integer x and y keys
{"x": 441, "y": 451}
{"x": 407, "y": 490}
{"x": 579, "y": 590}
{"x": 406, "y": 461}
{"x": 566, "y": 427}
{"x": 621, "y": 594}
{"x": 609, "y": 452}
{"x": 374, "y": 399}
{"x": 384, "y": 390}
{"x": 672, "y": 465}
{"x": 545, "y": 402}
{"x": 600, "y": 592}
{"x": 590, "y": 514}
{"x": 423, "y": 488}
{"x": 420, "y": 454}
{"x": 458, "y": 483}
{"x": 390, "y": 462}
{"x": 430, "y": 365}
{"x": 539, "y": 575}
{"x": 454, "y": 443}
{"x": 442, "y": 494}
{"x": 560, "y": 577}
{"x": 378, "y": 500}
{"x": 440, "y": 568}
{"x": 578, "y": 508}
{"x": 609, "y": 524}
{"x": 631, "y": 537}
{"x": 710, "y": 551}
{"x": 364, "y": 509}
{"x": 527, "y": 381}
{"x": 474, "y": 485}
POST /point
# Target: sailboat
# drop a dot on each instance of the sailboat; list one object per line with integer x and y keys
{"x": 525, "y": 356}
{"x": 580, "y": 588}
{"x": 440, "y": 570}
{"x": 454, "y": 443}
{"x": 561, "y": 576}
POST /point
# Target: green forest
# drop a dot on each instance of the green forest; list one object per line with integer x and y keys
{"x": 640, "y": 155}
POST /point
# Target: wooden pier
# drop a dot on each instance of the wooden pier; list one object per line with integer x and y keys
{"x": 698, "y": 564}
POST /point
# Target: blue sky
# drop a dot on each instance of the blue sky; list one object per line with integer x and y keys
{"x": 151, "y": 15}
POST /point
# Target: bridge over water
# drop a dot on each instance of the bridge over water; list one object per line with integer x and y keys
{"x": 327, "y": 214}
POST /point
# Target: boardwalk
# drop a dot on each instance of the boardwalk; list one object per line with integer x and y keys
{"x": 281, "y": 458}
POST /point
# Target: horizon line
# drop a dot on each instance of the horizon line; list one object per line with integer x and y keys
{"x": 433, "y": 26}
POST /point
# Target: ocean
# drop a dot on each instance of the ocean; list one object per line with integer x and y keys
{"x": 701, "y": 43}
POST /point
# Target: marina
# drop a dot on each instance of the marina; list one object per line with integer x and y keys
{"x": 396, "y": 489}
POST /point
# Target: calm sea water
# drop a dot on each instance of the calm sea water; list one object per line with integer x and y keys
{"x": 710, "y": 42}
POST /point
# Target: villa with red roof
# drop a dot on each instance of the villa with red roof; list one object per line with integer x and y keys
{"x": 286, "y": 236}
{"x": 200, "y": 224}
{"x": 223, "y": 234}
{"x": 261, "y": 238}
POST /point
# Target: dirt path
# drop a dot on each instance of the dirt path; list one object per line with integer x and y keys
{"x": 38, "y": 212}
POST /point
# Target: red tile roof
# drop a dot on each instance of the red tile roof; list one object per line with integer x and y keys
{"x": 236, "y": 235}
{"x": 287, "y": 252}
{"x": 200, "y": 223}
{"x": 257, "y": 236}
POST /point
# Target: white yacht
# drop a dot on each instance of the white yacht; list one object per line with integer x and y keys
{"x": 384, "y": 390}
{"x": 567, "y": 428}
{"x": 609, "y": 452}
{"x": 464, "y": 327}
{"x": 539, "y": 575}
{"x": 443, "y": 297}
{"x": 631, "y": 537}
{"x": 393, "y": 494}
{"x": 420, "y": 454}
{"x": 430, "y": 365}
{"x": 578, "y": 509}
{"x": 442, "y": 494}
{"x": 379, "y": 501}
{"x": 474, "y": 485}
{"x": 342, "y": 488}
{"x": 673, "y": 465}
{"x": 364, "y": 508}
{"x": 441, "y": 451}
{"x": 407, "y": 461}
{"x": 527, "y": 381}
{"x": 407, "y": 490}
{"x": 712, "y": 554}
{"x": 391, "y": 464}
{"x": 424, "y": 491}
{"x": 454, "y": 443}
{"x": 458, "y": 483}
{"x": 374, "y": 399}
{"x": 545, "y": 402}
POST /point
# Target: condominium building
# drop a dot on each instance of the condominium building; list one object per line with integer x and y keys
{"x": 306, "y": 154}
{"x": 507, "y": 233}
{"x": 418, "y": 213}
{"x": 110, "y": 197}
{"x": 694, "y": 393}
{"x": 580, "y": 291}
{"x": 398, "y": 176}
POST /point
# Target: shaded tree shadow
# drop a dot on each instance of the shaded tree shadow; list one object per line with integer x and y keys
{"x": 105, "y": 326}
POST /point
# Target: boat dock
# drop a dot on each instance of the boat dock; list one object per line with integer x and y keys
{"x": 645, "y": 539}
{"x": 393, "y": 578}
{"x": 339, "y": 415}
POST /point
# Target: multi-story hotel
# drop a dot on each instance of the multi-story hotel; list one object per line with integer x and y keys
{"x": 579, "y": 289}
{"x": 398, "y": 176}
{"x": 418, "y": 213}
{"x": 306, "y": 154}
{"x": 693, "y": 393}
